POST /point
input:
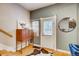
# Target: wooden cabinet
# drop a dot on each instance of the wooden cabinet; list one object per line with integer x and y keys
{"x": 22, "y": 38}
{"x": 23, "y": 34}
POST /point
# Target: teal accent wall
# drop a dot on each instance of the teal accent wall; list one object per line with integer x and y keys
{"x": 61, "y": 11}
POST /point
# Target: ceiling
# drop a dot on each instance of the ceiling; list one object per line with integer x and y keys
{"x": 34, "y": 6}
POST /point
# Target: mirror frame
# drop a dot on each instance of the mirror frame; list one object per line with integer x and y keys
{"x": 65, "y": 18}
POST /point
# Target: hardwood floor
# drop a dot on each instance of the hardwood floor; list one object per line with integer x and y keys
{"x": 28, "y": 50}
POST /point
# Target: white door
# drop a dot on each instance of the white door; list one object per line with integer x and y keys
{"x": 48, "y": 32}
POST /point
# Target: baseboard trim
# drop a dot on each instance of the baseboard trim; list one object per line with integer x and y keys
{"x": 65, "y": 51}
{"x": 7, "y": 48}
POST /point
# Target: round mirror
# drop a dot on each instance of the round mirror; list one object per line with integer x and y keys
{"x": 67, "y": 24}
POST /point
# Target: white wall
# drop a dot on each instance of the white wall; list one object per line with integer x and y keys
{"x": 9, "y": 14}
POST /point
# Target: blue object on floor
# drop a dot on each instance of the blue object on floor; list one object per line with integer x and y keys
{"x": 74, "y": 49}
